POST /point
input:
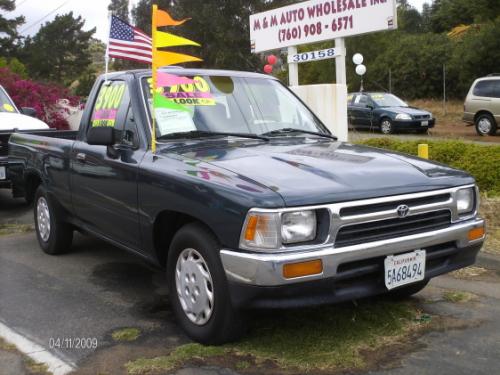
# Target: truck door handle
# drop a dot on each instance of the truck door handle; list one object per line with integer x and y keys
{"x": 81, "y": 157}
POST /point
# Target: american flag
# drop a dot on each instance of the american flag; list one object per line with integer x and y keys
{"x": 128, "y": 42}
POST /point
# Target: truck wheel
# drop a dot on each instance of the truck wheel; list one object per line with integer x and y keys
{"x": 54, "y": 235}
{"x": 386, "y": 126}
{"x": 407, "y": 291}
{"x": 485, "y": 124}
{"x": 198, "y": 288}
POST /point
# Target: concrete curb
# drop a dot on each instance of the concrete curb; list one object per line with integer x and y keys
{"x": 488, "y": 261}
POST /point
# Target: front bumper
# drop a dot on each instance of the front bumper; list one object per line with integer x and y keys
{"x": 413, "y": 124}
{"x": 4, "y": 163}
{"x": 349, "y": 272}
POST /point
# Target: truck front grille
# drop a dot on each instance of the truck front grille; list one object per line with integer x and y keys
{"x": 355, "y": 234}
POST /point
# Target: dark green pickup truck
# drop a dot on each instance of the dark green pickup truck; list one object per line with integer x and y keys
{"x": 248, "y": 202}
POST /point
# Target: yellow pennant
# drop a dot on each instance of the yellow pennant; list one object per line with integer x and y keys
{"x": 163, "y": 58}
{"x": 163, "y": 39}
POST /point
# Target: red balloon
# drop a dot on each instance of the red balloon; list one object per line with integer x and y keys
{"x": 268, "y": 69}
{"x": 271, "y": 59}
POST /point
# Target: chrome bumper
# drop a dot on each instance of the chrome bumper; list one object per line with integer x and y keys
{"x": 267, "y": 269}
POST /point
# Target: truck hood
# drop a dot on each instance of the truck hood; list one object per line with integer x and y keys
{"x": 11, "y": 121}
{"x": 309, "y": 171}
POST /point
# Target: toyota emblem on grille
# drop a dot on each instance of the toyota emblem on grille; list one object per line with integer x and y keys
{"x": 403, "y": 210}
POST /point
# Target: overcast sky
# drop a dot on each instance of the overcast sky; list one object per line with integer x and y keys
{"x": 93, "y": 11}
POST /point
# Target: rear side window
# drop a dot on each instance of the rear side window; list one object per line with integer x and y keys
{"x": 111, "y": 105}
{"x": 487, "y": 88}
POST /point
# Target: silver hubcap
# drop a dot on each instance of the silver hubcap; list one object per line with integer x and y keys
{"x": 194, "y": 286}
{"x": 385, "y": 127}
{"x": 484, "y": 125}
{"x": 43, "y": 218}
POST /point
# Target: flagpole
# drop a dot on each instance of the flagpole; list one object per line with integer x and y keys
{"x": 154, "y": 76}
{"x": 106, "y": 58}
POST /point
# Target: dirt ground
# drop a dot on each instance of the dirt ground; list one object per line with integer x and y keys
{"x": 449, "y": 123}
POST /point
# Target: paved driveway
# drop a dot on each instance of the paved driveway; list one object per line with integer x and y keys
{"x": 97, "y": 289}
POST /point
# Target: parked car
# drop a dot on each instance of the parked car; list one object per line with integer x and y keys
{"x": 387, "y": 113}
{"x": 13, "y": 119}
{"x": 482, "y": 105}
{"x": 248, "y": 202}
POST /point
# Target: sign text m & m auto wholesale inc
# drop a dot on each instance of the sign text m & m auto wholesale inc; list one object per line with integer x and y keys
{"x": 319, "y": 20}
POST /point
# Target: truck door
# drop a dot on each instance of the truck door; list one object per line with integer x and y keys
{"x": 104, "y": 184}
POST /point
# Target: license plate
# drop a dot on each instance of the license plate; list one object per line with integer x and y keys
{"x": 404, "y": 269}
{"x": 424, "y": 123}
{"x": 2, "y": 173}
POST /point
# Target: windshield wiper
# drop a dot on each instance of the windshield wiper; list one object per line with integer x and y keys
{"x": 292, "y": 130}
{"x": 205, "y": 133}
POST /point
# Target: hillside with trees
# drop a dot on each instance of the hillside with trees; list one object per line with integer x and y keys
{"x": 460, "y": 36}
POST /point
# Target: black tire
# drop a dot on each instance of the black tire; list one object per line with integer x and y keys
{"x": 60, "y": 233}
{"x": 407, "y": 291}
{"x": 386, "y": 126}
{"x": 485, "y": 124}
{"x": 225, "y": 323}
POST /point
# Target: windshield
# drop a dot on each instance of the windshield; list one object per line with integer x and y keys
{"x": 227, "y": 105}
{"x": 388, "y": 100}
{"x": 6, "y": 104}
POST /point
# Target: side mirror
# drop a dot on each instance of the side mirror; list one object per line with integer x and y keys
{"x": 101, "y": 136}
{"x": 28, "y": 111}
{"x": 370, "y": 107}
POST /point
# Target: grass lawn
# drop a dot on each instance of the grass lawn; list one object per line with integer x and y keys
{"x": 490, "y": 210}
{"x": 307, "y": 340}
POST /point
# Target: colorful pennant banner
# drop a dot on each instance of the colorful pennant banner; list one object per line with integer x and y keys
{"x": 162, "y": 58}
{"x": 168, "y": 80}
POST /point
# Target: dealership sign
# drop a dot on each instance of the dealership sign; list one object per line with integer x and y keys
{"x": 319, "y": 20}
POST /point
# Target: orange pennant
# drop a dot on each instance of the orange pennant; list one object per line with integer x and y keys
{"x": 164, "y": 19}
{"x": 163, "y": 58}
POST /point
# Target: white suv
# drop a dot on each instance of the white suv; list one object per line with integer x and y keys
{"x": 482, "y": 105}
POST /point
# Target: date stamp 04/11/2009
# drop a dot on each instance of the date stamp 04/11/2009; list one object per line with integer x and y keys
{"x": 74, "y": 343}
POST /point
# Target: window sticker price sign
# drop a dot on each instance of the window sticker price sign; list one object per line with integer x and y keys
{"x": 323, "y": 54}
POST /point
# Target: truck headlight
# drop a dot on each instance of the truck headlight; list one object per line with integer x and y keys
{"x": 269, "y": 230}
{"x": 299, "y": 226}
{"x": 465, "y": 201}
{"x": 403, "y": 116}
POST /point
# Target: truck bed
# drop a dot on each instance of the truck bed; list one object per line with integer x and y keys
{"x": 52, "y": 133}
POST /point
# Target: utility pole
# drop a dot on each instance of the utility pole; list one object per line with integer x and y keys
{"x": 444, "y": 89}
{"x": 390, "y": 80}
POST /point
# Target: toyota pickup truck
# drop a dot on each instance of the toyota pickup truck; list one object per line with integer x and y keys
{"x": 248, "y": 200}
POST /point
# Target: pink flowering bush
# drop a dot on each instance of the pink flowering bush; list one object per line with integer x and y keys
{"x": 43, "y": 97}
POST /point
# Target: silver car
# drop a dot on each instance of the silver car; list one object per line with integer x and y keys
{"x": 482, "y": 105}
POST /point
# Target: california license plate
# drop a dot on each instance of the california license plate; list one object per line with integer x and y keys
{"x": 2, "y": 173}
{"x": 404, "y": 269}
{"x": 424, "y": 123}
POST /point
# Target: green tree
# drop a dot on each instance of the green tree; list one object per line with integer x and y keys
{"x": 14, "y": 65}
{"x": 120, "y": 9}
{"x": 9, "y": 36}
{"x": 476, "y": 55}
{"x": 59, "y": 51}
{"x": 447, "y": 14}
{"x": 220, "y": 26}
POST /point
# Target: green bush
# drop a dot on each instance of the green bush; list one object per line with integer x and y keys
{"x": 482, "y": 162}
